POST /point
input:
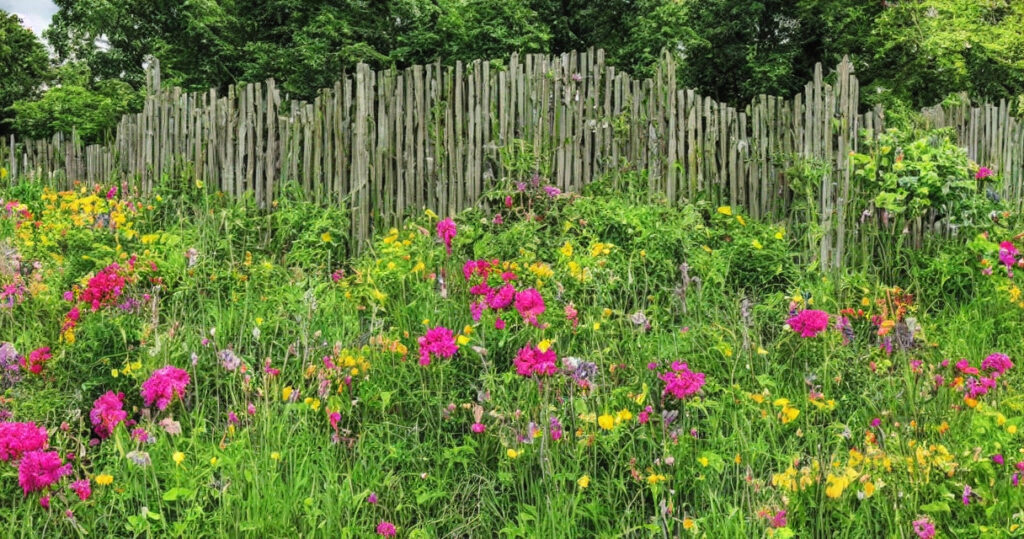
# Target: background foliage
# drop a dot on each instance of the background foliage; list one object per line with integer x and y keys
{"x": 908, "y": 54}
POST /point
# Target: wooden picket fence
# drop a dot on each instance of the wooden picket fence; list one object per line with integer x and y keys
{"x": 393, "y": 142}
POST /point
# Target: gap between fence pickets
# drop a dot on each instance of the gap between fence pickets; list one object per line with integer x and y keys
{"x": 391, "y": 143}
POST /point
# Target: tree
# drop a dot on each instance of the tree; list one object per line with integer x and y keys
{"x": 75, "y": 102}
{"x": 24, "y": 65}
{"x": 925, "y": 50}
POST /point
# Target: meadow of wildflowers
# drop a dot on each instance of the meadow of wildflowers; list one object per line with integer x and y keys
{"x": 559, "y": 365}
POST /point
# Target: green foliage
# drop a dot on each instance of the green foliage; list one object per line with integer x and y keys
{"x": 93, "y": 111}
{"x": 630, "y": 284}
{"x": 920, "y": 52}
{"x": 908, "y": 175}
{"x": 24, "y": 65}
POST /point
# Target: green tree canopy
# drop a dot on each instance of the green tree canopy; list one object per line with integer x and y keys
{"x": 24, "y": 65}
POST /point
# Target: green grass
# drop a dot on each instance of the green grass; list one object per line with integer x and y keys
{"x": 711, "y": 465}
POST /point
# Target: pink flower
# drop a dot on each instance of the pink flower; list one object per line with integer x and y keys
{"x": 809, "y": 322}
{"x": 163, "y": 385}
{"x": 778, "y": 520}
{"x": 531, "y": 361}
{"x": 983, "y": 172}
{"x": 876, "y": 422}
{"x": 104, "y": 288}
{"x": 998, "y": 459}
{"x": 446, "y": 232}
{"x": 107, "y": 412}
{"x": 966, "y": 496}
{"x": 1007, "y": 254}
{"x": 17, "y": 439}
{"x": 571, "y": 314}
{"x": 386, "y": 529}
{"x": 36, "y": 359}
{"x": 140, "y": 435}
{"x": 924, "y": 528}
{"x": 82, "y": 489}
{"x": 438, "y": 342}
{"x": 499, "y": 323}
{"x": 997, "y": 363}
{"x": 372, "y": 498}
{"x": 39, "y": 469}
{"x": 645, "y": 416}
{"x": 681, "y": 382}
{"x": 502, "y": 297}
{"x": 530, "y": 305}
{"x": 44, "y": 501}
{"x": 111, "y": 193}
{"x": 508, "y": 202}
{"x": 476, "y": 310}
{"x": 498, "y": 220}
{"x": 965, "y": 367}
{"x": 478, "y": 428}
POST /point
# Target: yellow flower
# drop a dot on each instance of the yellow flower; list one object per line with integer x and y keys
{"x": 178, "y": 457}
{"x": 104, "y": 479}
{"x": 599, "y": 249}
{"x": 757, "y": 244}
{"x": 703, "y": 461}
{"x": 869, "y": 489}
{"x": 275, "y": 456}
{"x": 1012, "y": 429}
{"x": 325, "y": 237}
{"x": 624, "y": 415}
{"x": 788, "y": 414}
{"x": 781, "y": 232}
{"x": 462, "y": 340}
{"x": 725, "y": 210}
{"x": 286, "y": 393}
{"x": 583, "y": 481}
{"x": 566, "y": 250}
{"x": 544, "y": 345}
{"x": 199, "y": 184}
{"x": 737, "y": 459}
{"x": 655, "y": 478}
{"x": 213, "y": 461}
{"x": 688, "y": 523}
{"x": 597, "y": 326}
{"x": 606, "y": 422}
{"x": 512, "y": 453}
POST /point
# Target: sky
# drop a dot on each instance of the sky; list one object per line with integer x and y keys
{"x": 34, "y": 14}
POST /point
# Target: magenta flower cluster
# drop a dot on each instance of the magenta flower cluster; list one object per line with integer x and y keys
{"x": 808, "y": 323}
{"x": 446, "y": 233}
{"x": 680, "y": 381}
{"x": 439, "y": 342}
{"x": 17, "y": 439}
{"x": 40, "y": 469}
{"x": 531, "y": 361}
{"x": 164, "y": 385}
{"x": 107, "y": 412}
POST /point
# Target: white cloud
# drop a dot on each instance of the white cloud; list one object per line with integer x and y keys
{"x": 35, "y": 14}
